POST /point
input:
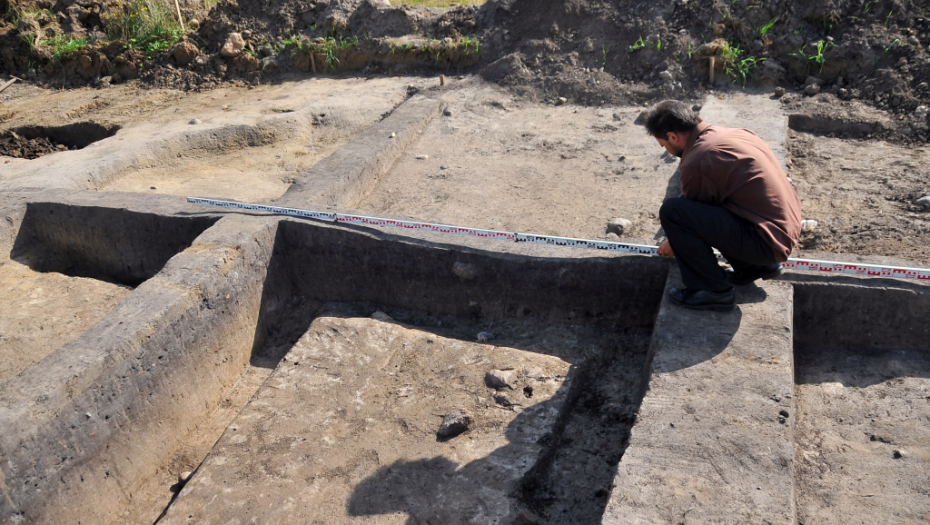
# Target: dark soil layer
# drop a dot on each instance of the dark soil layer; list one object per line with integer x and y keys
{"x": 588, "y": 52}
{"x": 13, "y": 145}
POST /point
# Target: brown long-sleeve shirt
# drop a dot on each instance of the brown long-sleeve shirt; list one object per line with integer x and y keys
{"x": 736, "y": 169}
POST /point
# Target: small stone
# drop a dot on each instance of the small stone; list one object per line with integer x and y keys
{"x": 484, "y": 336}
{"x": 185, "y": 52}
{"x": 808, "y": 225}
{"x": 393, "y": 134}
{"x": 503, "y": 400}
{"x": 618, "y": 226}
{"x": 499, "y": 379}
{"x": 422, "y": 157}
{"x": 813, "y": 80}
{"x": 562, "y": 100}
{"x": 899, "y": 453}
{"x": 913, "y": 40}
{"x": 454, "y": 423}
{"x": 381, "y": 316}
{"x": 812, "y": 90}
{"x": 665, "y": 75}
{"x": 153, "y": 188}
{"x": 246, "y": 34}
{"x": 923, "y": 202}
{"x": 195, "y": 121}
{"x": 779, "y": 91}
{"x": 185, "y": 476}
{"x": 612, "y": 237}
{"x": 921, "y": 112}
{"x": 447, "y": 112}
{"x": 465, "y": 271}
{"x": 233, "y": 46}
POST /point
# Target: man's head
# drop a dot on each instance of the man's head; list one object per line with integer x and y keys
{"x": 671, "y": 123}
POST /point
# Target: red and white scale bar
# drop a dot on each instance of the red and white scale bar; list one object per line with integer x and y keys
{"x": 808, "y": 265}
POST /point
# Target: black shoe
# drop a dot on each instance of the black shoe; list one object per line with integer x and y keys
{"x": 703, "y": 300}
{"x": 772, "y": 271}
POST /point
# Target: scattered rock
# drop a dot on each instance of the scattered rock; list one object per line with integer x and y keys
{"x": 779, "y": 91}
{"x": 812, "y": 90}
{"x": 921, "y": 112}
{"x": 393, "y": 134}
{"x": 233, "y": 46}
{"x": 499, "y": 379}
{"x": 561, "y": 100}
{"x": 422, "y": 157}
{"x": 485, "y": 336}
{"x": 185, "y": 476}
{"x": 447, "y": 112}
{"x": 813, "y": 80}
{"x": 195, "y": 121}
{"x": 454, "y": 423}
{"x": 697, "y": 108}
{"x": 808, "y": 225}
{"x": 185, "y": 52}
{"x": 913, "y": 40}
{"x": 665, "y": 75}
{"x": 465, "y": 271}
{"x": 618, "y": 226}
{"x": 612, "y": 237}
{"x": 503, "y": 400}
{"x": 381, "y": 316}
{"x": 923, "y": 202}
{"x": 899, "y": 453}
{"x": 444, "y": 167}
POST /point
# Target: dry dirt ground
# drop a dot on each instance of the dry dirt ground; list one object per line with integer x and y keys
{"x": 495, "y": 160}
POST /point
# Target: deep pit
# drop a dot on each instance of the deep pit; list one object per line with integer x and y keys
{"x": 862, "y": 388}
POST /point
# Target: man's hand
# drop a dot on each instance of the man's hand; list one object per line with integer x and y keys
{"x": 666, "y": 250}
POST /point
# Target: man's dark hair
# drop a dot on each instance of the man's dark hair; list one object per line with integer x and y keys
{"x": 670, "y": 116}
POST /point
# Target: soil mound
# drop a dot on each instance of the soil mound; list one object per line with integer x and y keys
{"x": 584, "y": 51}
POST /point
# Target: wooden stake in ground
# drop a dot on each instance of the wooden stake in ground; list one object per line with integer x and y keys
{"x": 312, "y": 63}
{"x": 180, "y": 20}
{"x": 442, "y": 80}
{"x": 9, "y": 83}
{"x": 712, "y": 65}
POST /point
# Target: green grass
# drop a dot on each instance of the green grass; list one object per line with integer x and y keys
{"x": 818, "y": 57}
{"x": 65, "y": 47}
{"x": 764, "y": 30}
{"x": 148, "y": 25}
{"x": 737, "y": 65}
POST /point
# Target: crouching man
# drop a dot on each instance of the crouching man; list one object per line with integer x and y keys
{"x": 737, "y": 199}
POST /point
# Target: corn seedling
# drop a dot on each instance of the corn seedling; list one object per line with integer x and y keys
{"x": 896, "y": 41}
{"x": 868, "y": 5}
{"x": 764, "y": 30}
{"x": 888, "y": 18}
{"x": 818, "y": 58}
{"x": 639, "y": 44}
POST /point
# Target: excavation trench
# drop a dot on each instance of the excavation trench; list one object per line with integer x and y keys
{"x": 303, "y": 369}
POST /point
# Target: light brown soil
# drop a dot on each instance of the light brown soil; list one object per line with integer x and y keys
{"x": 862, "y": 438}
{"x": 862, "y": 194}
{"x": 40, "y": 312}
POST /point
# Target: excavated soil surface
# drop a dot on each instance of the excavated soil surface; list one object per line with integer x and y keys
{"x": 861, "y": 436}
{"x": 40, "y": 312}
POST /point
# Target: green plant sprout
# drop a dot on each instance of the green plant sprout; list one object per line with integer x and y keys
{"x": 868, "y": 5}
{"x": 888, "y": 18}
{"x": 818, "y": 58}
{"x": 896, "y": 41}
{"x": 604, "y": 56}
{"x": 639, "y": 44}
{"x": 65, "y": 47}
{"x": 658, "y": 44}
{"x": 764, "y": 30}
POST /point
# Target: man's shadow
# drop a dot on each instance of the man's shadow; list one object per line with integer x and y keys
{"x": 438, "y": 490}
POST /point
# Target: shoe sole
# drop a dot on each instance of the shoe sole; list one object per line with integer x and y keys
{"x": 711, "y": 307}
{"x": 771, "y": 276}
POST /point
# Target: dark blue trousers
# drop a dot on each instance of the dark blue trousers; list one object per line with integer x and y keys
{"x": 693, "y": 229}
